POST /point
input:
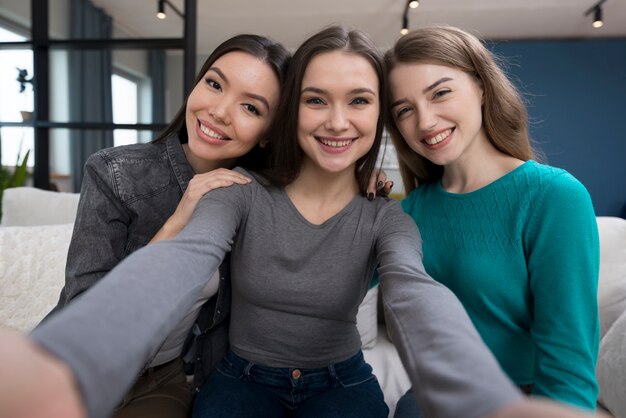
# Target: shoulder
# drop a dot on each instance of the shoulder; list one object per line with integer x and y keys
{"x": 417, "y": 196}
{"x": 134, "y": 172}
{"x": 239, "y": 195}
{"x": 131, "y": 153}
{"x": 553, "y": 184}
{"x": 386, "y": 214}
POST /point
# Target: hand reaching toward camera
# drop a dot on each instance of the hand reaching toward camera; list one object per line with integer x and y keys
{"x": 199, "y": 185}
{"x": 35, "y": 384}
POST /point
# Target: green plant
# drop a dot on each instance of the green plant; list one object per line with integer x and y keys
{"x": 16, "y": 178}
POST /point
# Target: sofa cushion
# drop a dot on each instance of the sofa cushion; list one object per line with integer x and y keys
{"x": 611, "y": 368}
{"x": 32, "y": 272}
{"x": 612, "y": 284}
{"x": 25, "y": 206}
{"x": 367, "y": 318}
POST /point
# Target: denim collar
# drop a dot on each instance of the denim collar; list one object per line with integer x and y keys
{"x": 181, "y": 167}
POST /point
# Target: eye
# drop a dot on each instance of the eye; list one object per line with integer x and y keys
{"x": 213, "y": 84}
{"x": 402, "y": 111}
{"x": 252, "y": 109}
{"x": 360, "y": 101}
{"x": 314, "y": 101}
{"x": 440, "y": 93}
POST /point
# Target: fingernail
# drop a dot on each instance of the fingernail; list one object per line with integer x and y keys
{"x": 379, "y": 185}
{"x": 370, "y": 196}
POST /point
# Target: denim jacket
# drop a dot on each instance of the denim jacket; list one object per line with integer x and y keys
{"x": 127, "y": 194}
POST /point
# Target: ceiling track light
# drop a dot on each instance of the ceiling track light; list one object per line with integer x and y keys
{"x": 161, "y": 9}
{"x": 596, "y": 9}
{"x": 405, "y": 25}
{"x": 597, "y": 18}
{"x": 410, "y": 4}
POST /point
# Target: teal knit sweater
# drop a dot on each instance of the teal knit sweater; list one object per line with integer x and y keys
{"x": 522, "y": 255}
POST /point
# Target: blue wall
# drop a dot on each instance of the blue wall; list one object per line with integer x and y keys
{"x": 576, "y": 93}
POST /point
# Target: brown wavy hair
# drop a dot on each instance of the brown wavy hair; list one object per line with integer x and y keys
{"x": 286, "y": 155}
{"x": 505, "y": 118}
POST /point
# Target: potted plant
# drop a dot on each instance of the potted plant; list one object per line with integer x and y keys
{"x": 22, "y": 78}
{"x": 15, "y": 178}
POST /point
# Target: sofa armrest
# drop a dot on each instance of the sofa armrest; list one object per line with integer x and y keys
{"x": 32, "y": 272}
{"x": 26, "y": 206}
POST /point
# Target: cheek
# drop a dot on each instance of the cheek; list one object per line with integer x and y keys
{"x": 367, "y": 122}
{"x": 250, "y": 131}
{"x": 306, "y": 120}
{"x": 406, "y": 129}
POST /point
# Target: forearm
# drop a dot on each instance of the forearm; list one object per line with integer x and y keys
{"x": 110, "y": 332}
{"x": 454, "y": 374}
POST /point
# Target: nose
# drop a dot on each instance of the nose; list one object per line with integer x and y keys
{"x": 337, "y": 120}
{"x": 220, "y": 112}
{"x": 427, "y": 119}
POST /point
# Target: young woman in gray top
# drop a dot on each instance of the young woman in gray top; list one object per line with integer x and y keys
{"x": 304, "y": 245}
{"x": 137, "y": 194}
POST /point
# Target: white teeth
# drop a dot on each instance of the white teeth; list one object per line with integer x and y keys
{"x": 437, "y": 139}
{"x": 210, "y": 132}
{"x": 335, "y": 144}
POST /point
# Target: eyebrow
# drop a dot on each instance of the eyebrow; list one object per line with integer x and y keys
{"x": 353, "y": 91}
{"x": 426, "y": 90}
{"x": 247, "y": 94}
{"x": 436, "y": 83}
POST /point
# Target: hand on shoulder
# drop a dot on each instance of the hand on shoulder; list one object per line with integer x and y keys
{"x": 199, "y": 185}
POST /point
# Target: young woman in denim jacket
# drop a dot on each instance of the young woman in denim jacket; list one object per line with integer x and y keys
{"x": 137, "y": 194}
{"x": 302, "y": 247}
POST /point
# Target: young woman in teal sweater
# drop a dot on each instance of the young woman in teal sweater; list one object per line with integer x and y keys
{"x": 514, "y": 239}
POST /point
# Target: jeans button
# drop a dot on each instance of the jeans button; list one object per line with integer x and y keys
{"x": 296, "y": 374}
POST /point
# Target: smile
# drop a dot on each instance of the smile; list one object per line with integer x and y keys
{"x": 438, "y": 138}
{"x": 211, "y": 133}
{"x": 335, "y": 143}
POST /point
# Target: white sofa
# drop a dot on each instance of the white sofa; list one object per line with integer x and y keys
{"x": 37, "y": 226}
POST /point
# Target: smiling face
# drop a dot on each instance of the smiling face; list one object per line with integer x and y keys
{"x": 338, "y": 111}
{"x": 230, "y": 110}
{"x": 438, "y": 111}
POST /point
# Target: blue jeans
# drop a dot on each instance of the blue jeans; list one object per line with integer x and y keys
{"x": 240, "y": 388}
{"x": 407, "y": 406}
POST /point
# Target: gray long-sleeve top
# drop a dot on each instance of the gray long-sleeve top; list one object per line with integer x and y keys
{"x": 296, "y": 291}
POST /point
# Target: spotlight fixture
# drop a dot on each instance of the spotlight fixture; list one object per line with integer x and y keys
{"x": 597, "y": 18}
{"x": 596, "y": 9}
{"x": 161, "y": 9}
{"x": 405, "y": 25}
{"x": 410, "y": 4}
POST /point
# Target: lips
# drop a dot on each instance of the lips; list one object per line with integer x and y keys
{"x": 435, "y": 139}
{"x": 212, "y": 132}
{"x": 335, "y": 142}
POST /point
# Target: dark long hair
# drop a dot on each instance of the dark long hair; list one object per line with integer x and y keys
{"x": 270, "y": 52}
{"x": 505, "y": 118}
{"x": 287, "y": 156}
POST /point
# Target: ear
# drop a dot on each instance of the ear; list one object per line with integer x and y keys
{"x": 479, "y": 82}
{"x": 263, "y": 142}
